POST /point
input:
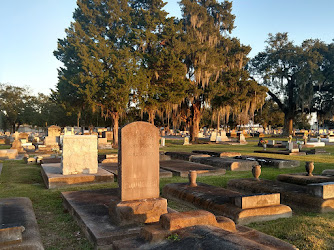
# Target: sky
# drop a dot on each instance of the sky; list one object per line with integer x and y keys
{"x": 29, "y": 31}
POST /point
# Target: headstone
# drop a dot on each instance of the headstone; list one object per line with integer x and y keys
{"x": 53, "y": 136}
{"x": 163, "y": 142}
{"x": 79, "y": 154}
{"x": 241, "y": 138}
{"x": 108, "y": 135}
{"x": 17, "y": 143}
{"x": 213, "y": 136}
{"x": 138, "y": 176}
{"x": 186, "y": 141}
{"x": 271, "y": 142}
{"x": 223, "y": 136}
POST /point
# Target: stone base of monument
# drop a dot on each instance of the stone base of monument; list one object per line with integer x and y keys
{"x": 271, "y": 162}
{"x": 113, "y": 168}
{"x": 124, "y": 213}
{"x": 209, "y": 237}
{"x": 182, "y": 168}
{"x": 296, "y": 196}
{"x": 53, "y": 177}
{"x": 241, "y": 209}
{"x": 226, "y": 163}
{"x": 18, "y": 225}
{"x": 90, "y": 209}
{"x": 280, "y": 152}
{"x": 303, "y": 178}
{"x": 8, "y": 153}
{"x": 199, "y": 230}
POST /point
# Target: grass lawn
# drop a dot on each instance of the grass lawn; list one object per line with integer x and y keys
{"x": 60, "y": 231}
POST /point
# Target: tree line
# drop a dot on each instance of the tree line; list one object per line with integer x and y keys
{"x": 127, "y": 60}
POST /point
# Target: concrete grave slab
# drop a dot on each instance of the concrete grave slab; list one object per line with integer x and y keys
{"x": 280, "y": 152}
{"x": 217, "y": 154}
{"x": 18, "y": 225}
{"x": 328, "y": 172}
{"x": 185, "y": 156}
{"x": 181, "y": 168}
{"x": 90, "y": 210}
{"x": 295, "y": 196}
{"x": 226, "y": 163}
{"x": 303, "y": 178}
{"x": 322, "y": 190}
{"x": 271, "y": 162}
{"x": 258, "y": 200}
{"x": 113, "y": 168}
{"x": 221, "y": 201}
{"x": 53, "y": 177}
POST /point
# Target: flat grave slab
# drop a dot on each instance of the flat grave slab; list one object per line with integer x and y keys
{"x": 8, "y": 154}
{"x": 226, "y": 163}
{"x": 90, "y": 210}
{"x": 53, "y": 177}
{"x": 228, "y": 203}
{"x": 271, "y": 162}
{"x": 113, "y": 168}
{"x": 295, "y": 196}
{"x": 18, "y": 225}
{"x": 328, "y": 172}
{"x": 303, "y": 178}
{"x": 225, "y": 235}
{"x": 282, "y": 152}
{"x": 217, "y": 154}
{"x": 185, "y": 156}
{"x": 181, "y": 168}
{"x": 50, "y": 160}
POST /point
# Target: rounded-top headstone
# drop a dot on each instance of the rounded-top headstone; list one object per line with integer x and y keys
{"x": 139, "y": 161}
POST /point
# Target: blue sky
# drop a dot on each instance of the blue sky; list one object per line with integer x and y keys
{"x": 29, "y": 31}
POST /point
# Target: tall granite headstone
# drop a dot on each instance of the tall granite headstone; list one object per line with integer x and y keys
{"x": 138, "y": 176}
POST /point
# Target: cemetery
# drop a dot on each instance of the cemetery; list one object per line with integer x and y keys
{"x": 144, "y": 193}
{"x": 166, "y": 125}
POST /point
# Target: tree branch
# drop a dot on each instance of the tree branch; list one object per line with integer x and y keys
{"x": 277, "y": 100}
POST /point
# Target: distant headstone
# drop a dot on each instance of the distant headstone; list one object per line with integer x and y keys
{"x": 213, "y": 136}
{"x": 186, "y": 141}
{"x": 163, "y": 142}
{"x": 79, "y": 154}
{"x": 241, "y": 138}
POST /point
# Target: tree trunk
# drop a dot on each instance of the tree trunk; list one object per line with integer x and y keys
{"x": 218, "y": 121}
{"x": 151, "y": 117}
{"x": 196, "y": 118}
{"x": 288, "y": 125}
{"x": 115, "y": 117}
{"x": 13, "y": 127}
{"x": 78, "y": 118}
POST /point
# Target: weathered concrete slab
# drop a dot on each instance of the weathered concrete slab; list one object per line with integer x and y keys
{"x": 259, "y": 200}
{"x": 48, "y": 160}
{"x": 217, "y": 154}
{"x": 90, "y": 210}
{"x": 322, "y": 190}
{"x": 182, "y": 168}
{"x": 226, "y": 163}
{"x": 271, "y": 162}
{"x": 113, "y": 168}
{"x": 53, "y": 177}
{"x": 283, "y": 152}
{"x": 303, "y": 178}
{"x": 209, "y": 237}
{"x": 221, "y": 201}
{"x": 328, "y": 172}
{"x": 185, "y": 156}
{"x": 17, "y": 214}
{"x": 8, "y": 153}
{"x": 295, "y": 196}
